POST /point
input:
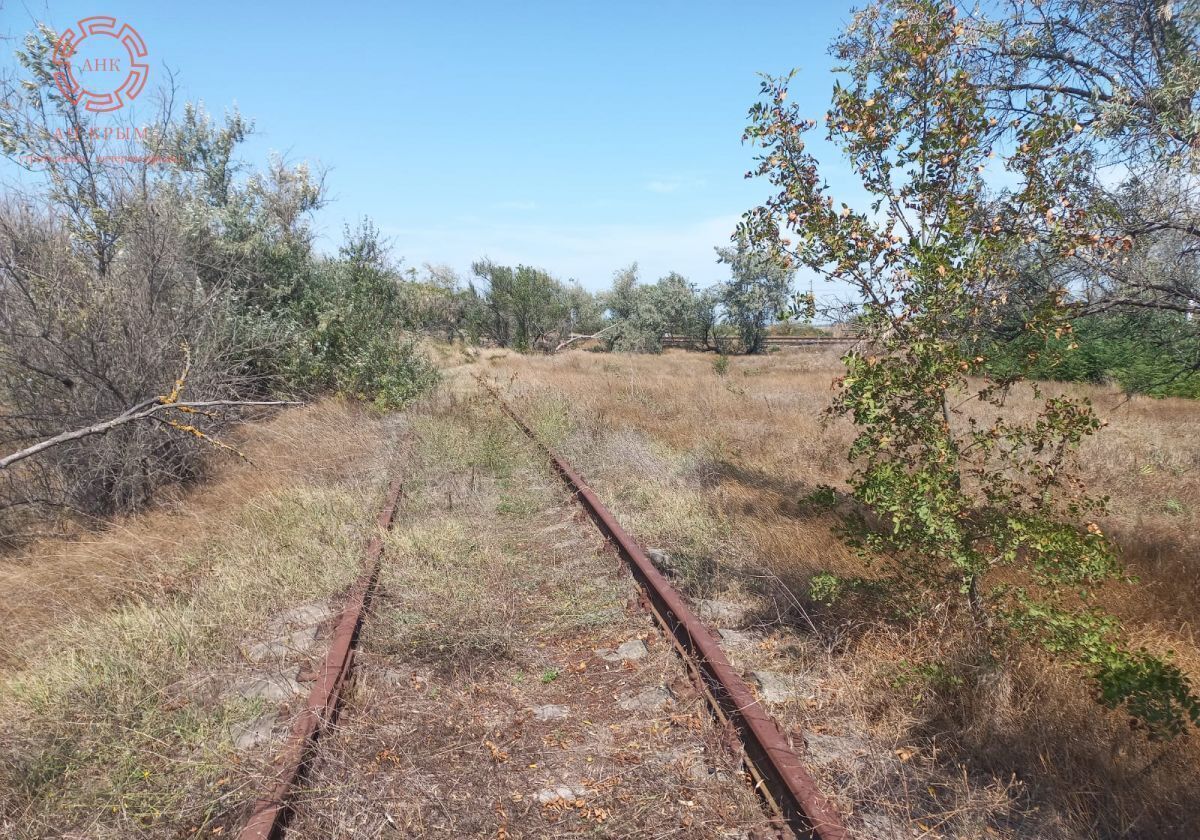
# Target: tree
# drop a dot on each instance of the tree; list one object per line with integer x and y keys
{"x": 687, "y": 311}
{"x": 436, "y": 301}
{"x": 1125, "y": 76}
{"x": 639, "y": 323}
{"x": 585, "y": 314}
{"x": 979, "y": 510}
{"x": 98, "y": 294}
{"x": 346, "y": 327}
{"x": 520, "y": 307}
{"x": 136, "y": 247}
{"x": 643, "y": 314}
{"x": 757, "y": 290}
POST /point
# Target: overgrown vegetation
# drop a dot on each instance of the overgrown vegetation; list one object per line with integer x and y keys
{"x": 120, "y": 271}
{"x": 1143, "y": 351}
{"x": 119, "y": 702}
{"x": 976, "y": 511}
{"x": 968, "y": 748}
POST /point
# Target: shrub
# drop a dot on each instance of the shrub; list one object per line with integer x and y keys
{"x": 114, "y": 265}
{"x": 344, "y": 329}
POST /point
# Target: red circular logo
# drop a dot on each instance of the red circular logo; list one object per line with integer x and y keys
{"x": 102, "y": 65}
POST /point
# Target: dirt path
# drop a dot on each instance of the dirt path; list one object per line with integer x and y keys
{"x": 508, "y": 685}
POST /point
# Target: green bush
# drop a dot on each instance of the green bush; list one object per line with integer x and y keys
{"x": 343, "y": 332}
{"x": 1152, "y": 353}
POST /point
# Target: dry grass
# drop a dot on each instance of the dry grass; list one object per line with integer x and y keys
{"x": 114, "y": 721}
{"x": 713, "y": 470}
{"x": 493, "y": 596}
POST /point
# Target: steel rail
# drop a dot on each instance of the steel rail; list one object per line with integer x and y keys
{"x": 780, "y": 776}
{"x": 272, "y": 810}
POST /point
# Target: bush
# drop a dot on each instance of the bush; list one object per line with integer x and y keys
{"x": 1145, "y": 352}
{"x": 112, "y": 266}
{"x": 344, "y": 330}
{"x": 82, "y": 342}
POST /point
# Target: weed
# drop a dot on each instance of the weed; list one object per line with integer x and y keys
{"x": 825, "y": 588}
{"x": 743, "y": 467}
{"x": 114, "y": 720}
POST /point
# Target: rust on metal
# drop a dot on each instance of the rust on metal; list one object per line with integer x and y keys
{"x": 781, "y": 777}
{"x": 272, "y": 810}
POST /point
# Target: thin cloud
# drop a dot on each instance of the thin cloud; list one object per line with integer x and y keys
{"x": 515, "y": 205}
{"x": 663, "y": 186}
{"x": 670, "y": 185}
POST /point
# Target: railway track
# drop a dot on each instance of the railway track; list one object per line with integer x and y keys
{"x": 778, "y": 341}
{"x": 273, "y": 808}
{"x": 780, "y": 778}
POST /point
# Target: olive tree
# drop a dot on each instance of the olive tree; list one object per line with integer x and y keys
{"x": 757, "y": 290}
{"x": 518, "y": 307}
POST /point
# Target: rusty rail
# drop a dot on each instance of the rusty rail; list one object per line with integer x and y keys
{"x": 781, "y": 778}
{"x": 272, "y": 810}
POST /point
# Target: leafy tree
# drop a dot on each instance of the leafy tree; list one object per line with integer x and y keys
{"x": 757, "y": 290}
{"x": 976, "y": 510}
{"x": 1126, "y": 77}
{"x": 519, "y": 307}
{"x": 345, "y": 325}
{"x": 435, "y": 301}
{"x": 585, "y": 314}
{"x": 119, "y": 270}
{"x": 639, "y": 321}
{"x": 687, "y": 311}
{"x": 643, "y": 314}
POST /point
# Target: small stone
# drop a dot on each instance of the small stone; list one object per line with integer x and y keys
{"x": 696, "y": 770}
{"x": 772, "y": 687}
{"x": 250, "y": 734}
{"x": 677, "y": 755}
{"x": 390, "y": 677}
{"x": 720, "y": 612}
{"x": 551, "y": 712}
{"x": 661, "y": 560}
{"x": 555, "y": 794}
{"x": 737, "y": 638}
{"x": 632, "y": 649}
{"x": 881, "y": 827}
{"x": 273, "y": 687}
{"x": 647, "y": 699}
{"x": 831, "y": 749}
{"x": 304, "y": 615}
{"x": 297, "y": 641}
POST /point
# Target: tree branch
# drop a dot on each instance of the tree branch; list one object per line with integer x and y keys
{"x": 130, "y": 415}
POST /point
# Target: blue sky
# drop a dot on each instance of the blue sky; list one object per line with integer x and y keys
{"x": 574, "y": 136}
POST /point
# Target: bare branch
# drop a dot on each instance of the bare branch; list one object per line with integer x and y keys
{"x": 132, "y": 415}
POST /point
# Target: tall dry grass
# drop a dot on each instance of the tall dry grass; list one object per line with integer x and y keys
{"x": 117, "y": 706}
{"x": 54, "y": 581}
{"x": 664, "y": 434}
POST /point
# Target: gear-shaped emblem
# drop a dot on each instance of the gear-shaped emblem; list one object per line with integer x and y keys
{"x": 112, "y": 42}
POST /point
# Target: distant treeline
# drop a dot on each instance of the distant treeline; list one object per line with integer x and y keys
{"x": 528, "y": 309}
